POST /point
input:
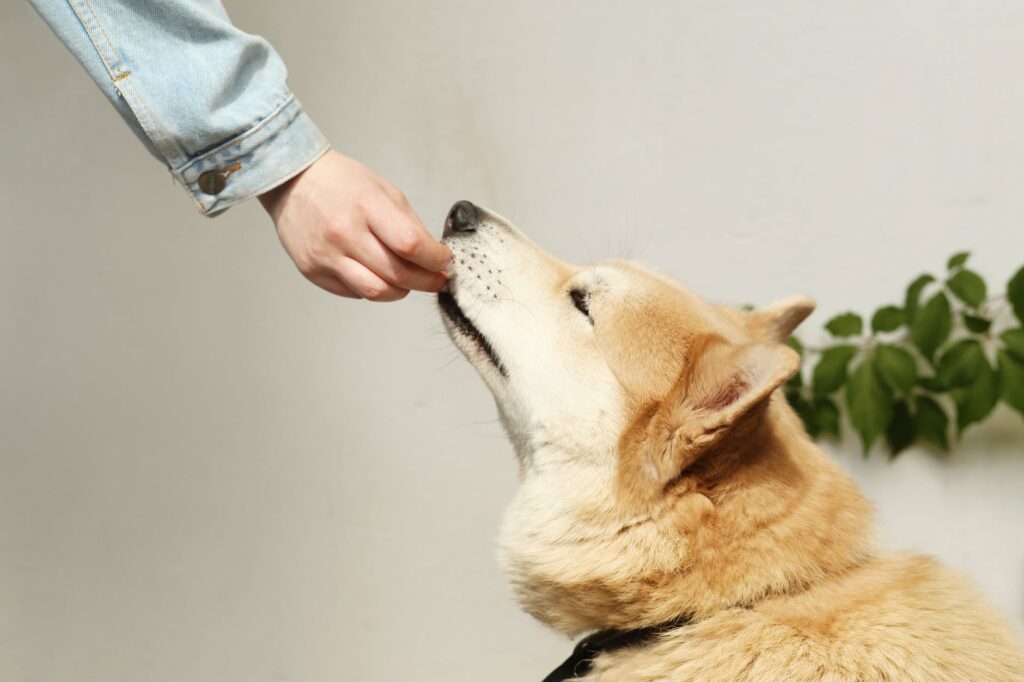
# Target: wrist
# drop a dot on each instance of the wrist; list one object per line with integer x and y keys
{"x": 274, "y": 199}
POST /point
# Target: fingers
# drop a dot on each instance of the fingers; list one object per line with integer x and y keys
{"x": 354, "y": 234}
{"x": 399, "y": 229}
{"x": 380, "y": 260}
{"x": 332, "y": 284}
{"x": 366, "y": 284}
{"x": 396, "y": 195}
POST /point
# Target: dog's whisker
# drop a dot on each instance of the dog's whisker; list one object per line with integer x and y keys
{"x": 448, "y": 363}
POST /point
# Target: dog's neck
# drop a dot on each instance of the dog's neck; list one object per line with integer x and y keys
{"x": 770, "y": 517}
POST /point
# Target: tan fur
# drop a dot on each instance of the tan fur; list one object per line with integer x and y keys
{"x": 707, "y": 498}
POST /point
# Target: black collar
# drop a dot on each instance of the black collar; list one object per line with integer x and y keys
{"x": 605, "y": 641}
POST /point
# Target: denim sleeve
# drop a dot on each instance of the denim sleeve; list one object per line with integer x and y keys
{"x": 205, "y": 98}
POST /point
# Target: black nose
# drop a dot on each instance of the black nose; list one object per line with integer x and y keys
{"x": 462, "y": 218}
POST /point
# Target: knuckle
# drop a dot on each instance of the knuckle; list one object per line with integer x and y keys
{"x": 407, "y": 243}
{"x": 374, "y": 291}
{"x": 310, "y": 259}
{"x": 335, "y": 232}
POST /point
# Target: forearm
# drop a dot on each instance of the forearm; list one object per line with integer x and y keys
{"x": 208, "y": 100}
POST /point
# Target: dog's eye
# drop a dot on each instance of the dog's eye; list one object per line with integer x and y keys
{"x": 581, "y": 299}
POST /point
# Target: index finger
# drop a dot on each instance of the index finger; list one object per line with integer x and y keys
{"x": 403, "y": 233}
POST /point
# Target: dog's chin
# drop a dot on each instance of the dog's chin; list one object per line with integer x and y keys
{"x": 467, "y": 336}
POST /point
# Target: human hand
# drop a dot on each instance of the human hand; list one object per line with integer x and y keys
{"x": 353, "y": 233}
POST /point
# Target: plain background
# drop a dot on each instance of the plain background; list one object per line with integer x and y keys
{"x": 211, "y": 470}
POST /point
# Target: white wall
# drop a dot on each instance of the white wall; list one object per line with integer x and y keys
{"x": 209, "y": 470}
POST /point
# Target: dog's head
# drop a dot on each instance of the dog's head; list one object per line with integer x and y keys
{"x": 626, "y": 398}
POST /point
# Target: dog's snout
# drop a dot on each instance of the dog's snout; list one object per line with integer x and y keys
{"x": 463, "y": 217}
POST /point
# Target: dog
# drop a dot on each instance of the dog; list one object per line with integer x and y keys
{"x": 670, "y": 500}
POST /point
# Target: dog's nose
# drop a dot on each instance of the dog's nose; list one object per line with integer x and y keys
{"x": 462, "y": 218}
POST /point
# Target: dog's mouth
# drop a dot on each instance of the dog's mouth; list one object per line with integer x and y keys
{"x": 450, "y": 308}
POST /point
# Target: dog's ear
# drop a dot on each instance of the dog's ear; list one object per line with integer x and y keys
{"x": 721, "y": 387}
{"x": 777, "y": 321}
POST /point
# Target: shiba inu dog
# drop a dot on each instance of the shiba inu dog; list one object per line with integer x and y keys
{"x": 671, "y": 501}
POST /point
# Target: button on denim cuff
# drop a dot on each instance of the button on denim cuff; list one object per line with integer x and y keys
{"x": 270, "y": 153}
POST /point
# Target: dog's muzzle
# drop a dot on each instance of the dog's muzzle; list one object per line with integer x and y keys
{"x": 463, "y": 219}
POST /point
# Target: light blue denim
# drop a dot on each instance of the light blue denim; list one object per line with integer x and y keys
{"x": 200, "y": 94}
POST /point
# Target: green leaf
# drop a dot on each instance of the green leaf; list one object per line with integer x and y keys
{"x": 795, "y": 344}
{"x": 957, "y": 259}
{"x": 975, "y": 402}
{"x": 896, "y": 367}
{"x": 825, "y": 415}
{"x": 1014, "y": 340}
{"x": 931, "y": 384}
{"x": 931, "y": 422}
{"x": 1015, "y": 294}
{"x": 960, "y": 364}
{"x": 902, "y": 431}
{"x": 847, "y": 324}
{"x": 830, "y": 372}
{"x": 869, "y": 402}
{"x": 968, "y": 286}
{"x": 932, "y": 325}
{"x": 978, "y": 325}
{"x": 914, "y": 295}
{"x": 887, "y": 319}
{"x": 1011, "y": 378}
{"x": 796, "y": 382}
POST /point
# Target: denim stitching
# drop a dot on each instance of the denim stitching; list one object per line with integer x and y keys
{"x": 108, "y": 54}
{"x": 87, "y": 17}
{"x": 239, "y": 139}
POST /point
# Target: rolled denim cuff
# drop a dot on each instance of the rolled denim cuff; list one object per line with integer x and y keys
{"x": 276, "y": 149}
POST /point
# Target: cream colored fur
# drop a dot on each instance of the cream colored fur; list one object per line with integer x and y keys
{"x": 663, "y": 474}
